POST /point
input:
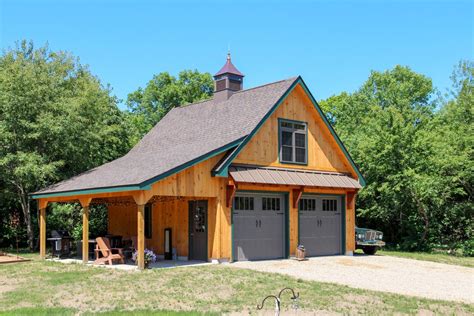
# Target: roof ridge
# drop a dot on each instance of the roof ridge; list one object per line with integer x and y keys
{"x": 266, "y": 84}
{"x": 245, "y": 90}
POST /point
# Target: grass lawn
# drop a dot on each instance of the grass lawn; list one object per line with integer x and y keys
{"x": 48, "y": 288}
{"x": 435, "y": 257}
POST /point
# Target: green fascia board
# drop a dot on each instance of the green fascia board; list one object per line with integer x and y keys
{"x": 193, "y": 162}
{"x": 90, "y": 191}
{"x": 146, "y": 185}
{"x": 223, "y": 170}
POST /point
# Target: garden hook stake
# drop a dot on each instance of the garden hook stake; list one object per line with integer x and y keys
{"x": 294, "y": 298}
{"x": 277, "y": 304}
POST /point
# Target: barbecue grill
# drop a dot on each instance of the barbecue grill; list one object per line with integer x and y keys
{"x": 60, "y": 243}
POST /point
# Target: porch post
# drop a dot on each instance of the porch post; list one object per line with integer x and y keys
{"x": 42, "y": 214}
{"x": 141, "y": 236}
{"x": 141, "y": 198}
{"x": 85, "y": 228}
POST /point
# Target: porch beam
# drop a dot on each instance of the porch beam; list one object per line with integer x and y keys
{"x": 85, "y": 202}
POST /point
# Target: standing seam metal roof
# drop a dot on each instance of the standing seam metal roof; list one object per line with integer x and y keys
{"x": 298, "y": 177}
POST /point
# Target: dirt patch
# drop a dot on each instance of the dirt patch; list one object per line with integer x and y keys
{"x": 7, "y": 258}
{"x": 351, "y": 263}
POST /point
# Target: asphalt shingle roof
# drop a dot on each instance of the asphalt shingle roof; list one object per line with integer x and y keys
{"x": 184, "y": 134}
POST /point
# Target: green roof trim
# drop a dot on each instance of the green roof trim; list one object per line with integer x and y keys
{"x": 90, "y": 191}
{"x": 222, "y": 170}
{"x": 146, "y": 185}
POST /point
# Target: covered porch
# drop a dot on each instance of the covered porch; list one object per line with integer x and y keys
{"x": 181, "y": 229}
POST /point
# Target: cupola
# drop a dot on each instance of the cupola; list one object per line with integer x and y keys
{"x": 227, "y": 81}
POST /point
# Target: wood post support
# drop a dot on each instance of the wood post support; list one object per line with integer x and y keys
{"x": 85, "y": 202}
{"x": 141, "y": 236}
{"x": 42, "y": 214}
{"x": 85, "y": 234}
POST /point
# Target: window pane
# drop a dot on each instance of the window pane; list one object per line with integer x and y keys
{"x": 287, "y": 153}
{"x": 287, "y": 124}
{"x": 264, "y": 204}
{"x": 300, "y": 154}
{"x": 251, "y": 203}
{"x": 300, "y": 140}
{"x": 278, "y": 204}
{"x": 286, "y": 138}
{"x": 299, "y": 126}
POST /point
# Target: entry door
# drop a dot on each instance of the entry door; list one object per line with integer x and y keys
{"x": 320, "y": 225}
{"x": 258, "y": 226}
{"x": 198, "y": 230}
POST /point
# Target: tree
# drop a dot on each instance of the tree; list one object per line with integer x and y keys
{"x": 149, "y": 105}
{"x": 381, "y": 124}
{"x": 451, "y": 133}
{"x": 56, "y": 120}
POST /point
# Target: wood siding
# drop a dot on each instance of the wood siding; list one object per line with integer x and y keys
{"x": 323, "y": 152}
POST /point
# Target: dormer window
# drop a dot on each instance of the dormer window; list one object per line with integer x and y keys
{"x": 293, "y": 142}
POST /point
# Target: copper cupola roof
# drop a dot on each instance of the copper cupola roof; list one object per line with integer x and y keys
{"x": 229, "y": 68}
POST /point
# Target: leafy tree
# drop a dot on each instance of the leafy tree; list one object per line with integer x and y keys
{"x": 56, "y": 120}
{"x": 381, "y": 124}
{"x": 416, "y": 152}
{"x": 149, "y": 105}
{"x": 451, "y": 134}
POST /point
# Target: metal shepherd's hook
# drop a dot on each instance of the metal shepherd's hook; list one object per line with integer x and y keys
{"x": 294, "y": 298}
{"x": 277, "y": 304}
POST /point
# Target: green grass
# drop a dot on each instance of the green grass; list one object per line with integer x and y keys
{"x": 48, "y": 288}
{"x": 435, "y": 257}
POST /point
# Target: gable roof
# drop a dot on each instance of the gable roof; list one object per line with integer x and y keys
{"x": 221, "y": 169}
{"x": 184, "y": 137}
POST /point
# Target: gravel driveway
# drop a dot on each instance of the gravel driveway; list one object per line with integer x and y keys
{"x": 379, "y": 273}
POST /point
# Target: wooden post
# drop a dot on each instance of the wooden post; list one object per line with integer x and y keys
{"x": 42, "y": 213}
{"x": 141, "y": 198}
{"x": 141, "y": 236}
{"x": 85, "y": 202}
{"x": 85, "y": 234}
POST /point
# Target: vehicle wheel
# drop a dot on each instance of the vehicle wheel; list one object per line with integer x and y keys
{"x": 369, "y": 250}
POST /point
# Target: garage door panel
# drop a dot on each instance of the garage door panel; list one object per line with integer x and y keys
{"x": 320, "y": 225}
{"x": 259, "y": 233}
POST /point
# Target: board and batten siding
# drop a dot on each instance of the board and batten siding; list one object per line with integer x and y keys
{"x": 193, "y": 183}
{"x": 323, "y": 152}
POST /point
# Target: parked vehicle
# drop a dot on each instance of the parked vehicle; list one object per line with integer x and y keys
{"x": 368, "y": 240}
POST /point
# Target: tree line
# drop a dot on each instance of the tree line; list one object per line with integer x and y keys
{"x": 413, "y": 144}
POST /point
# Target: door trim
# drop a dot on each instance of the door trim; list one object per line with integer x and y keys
{"x": 286, "y": 219}
{"x": 343, "y": 217}
{"x": 190, "y": 252}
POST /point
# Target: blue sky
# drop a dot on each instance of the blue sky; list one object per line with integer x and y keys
{"x": 334, "y": 46}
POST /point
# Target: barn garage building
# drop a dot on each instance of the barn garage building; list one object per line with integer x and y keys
{"x": 246, "y": 175}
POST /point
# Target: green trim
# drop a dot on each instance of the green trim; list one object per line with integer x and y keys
{"x": 223, "y": 171}
{"x": 146, "y": 185}
{"x": 287, "y": 225}
{"x": 343, "y": 217}
{"x": 193, "y": 162}
{"x": 334, "y": 134}
{"x": 90, "y": 191}
{"x": 279, "y": 142}
{"x": 287, "y": 219}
